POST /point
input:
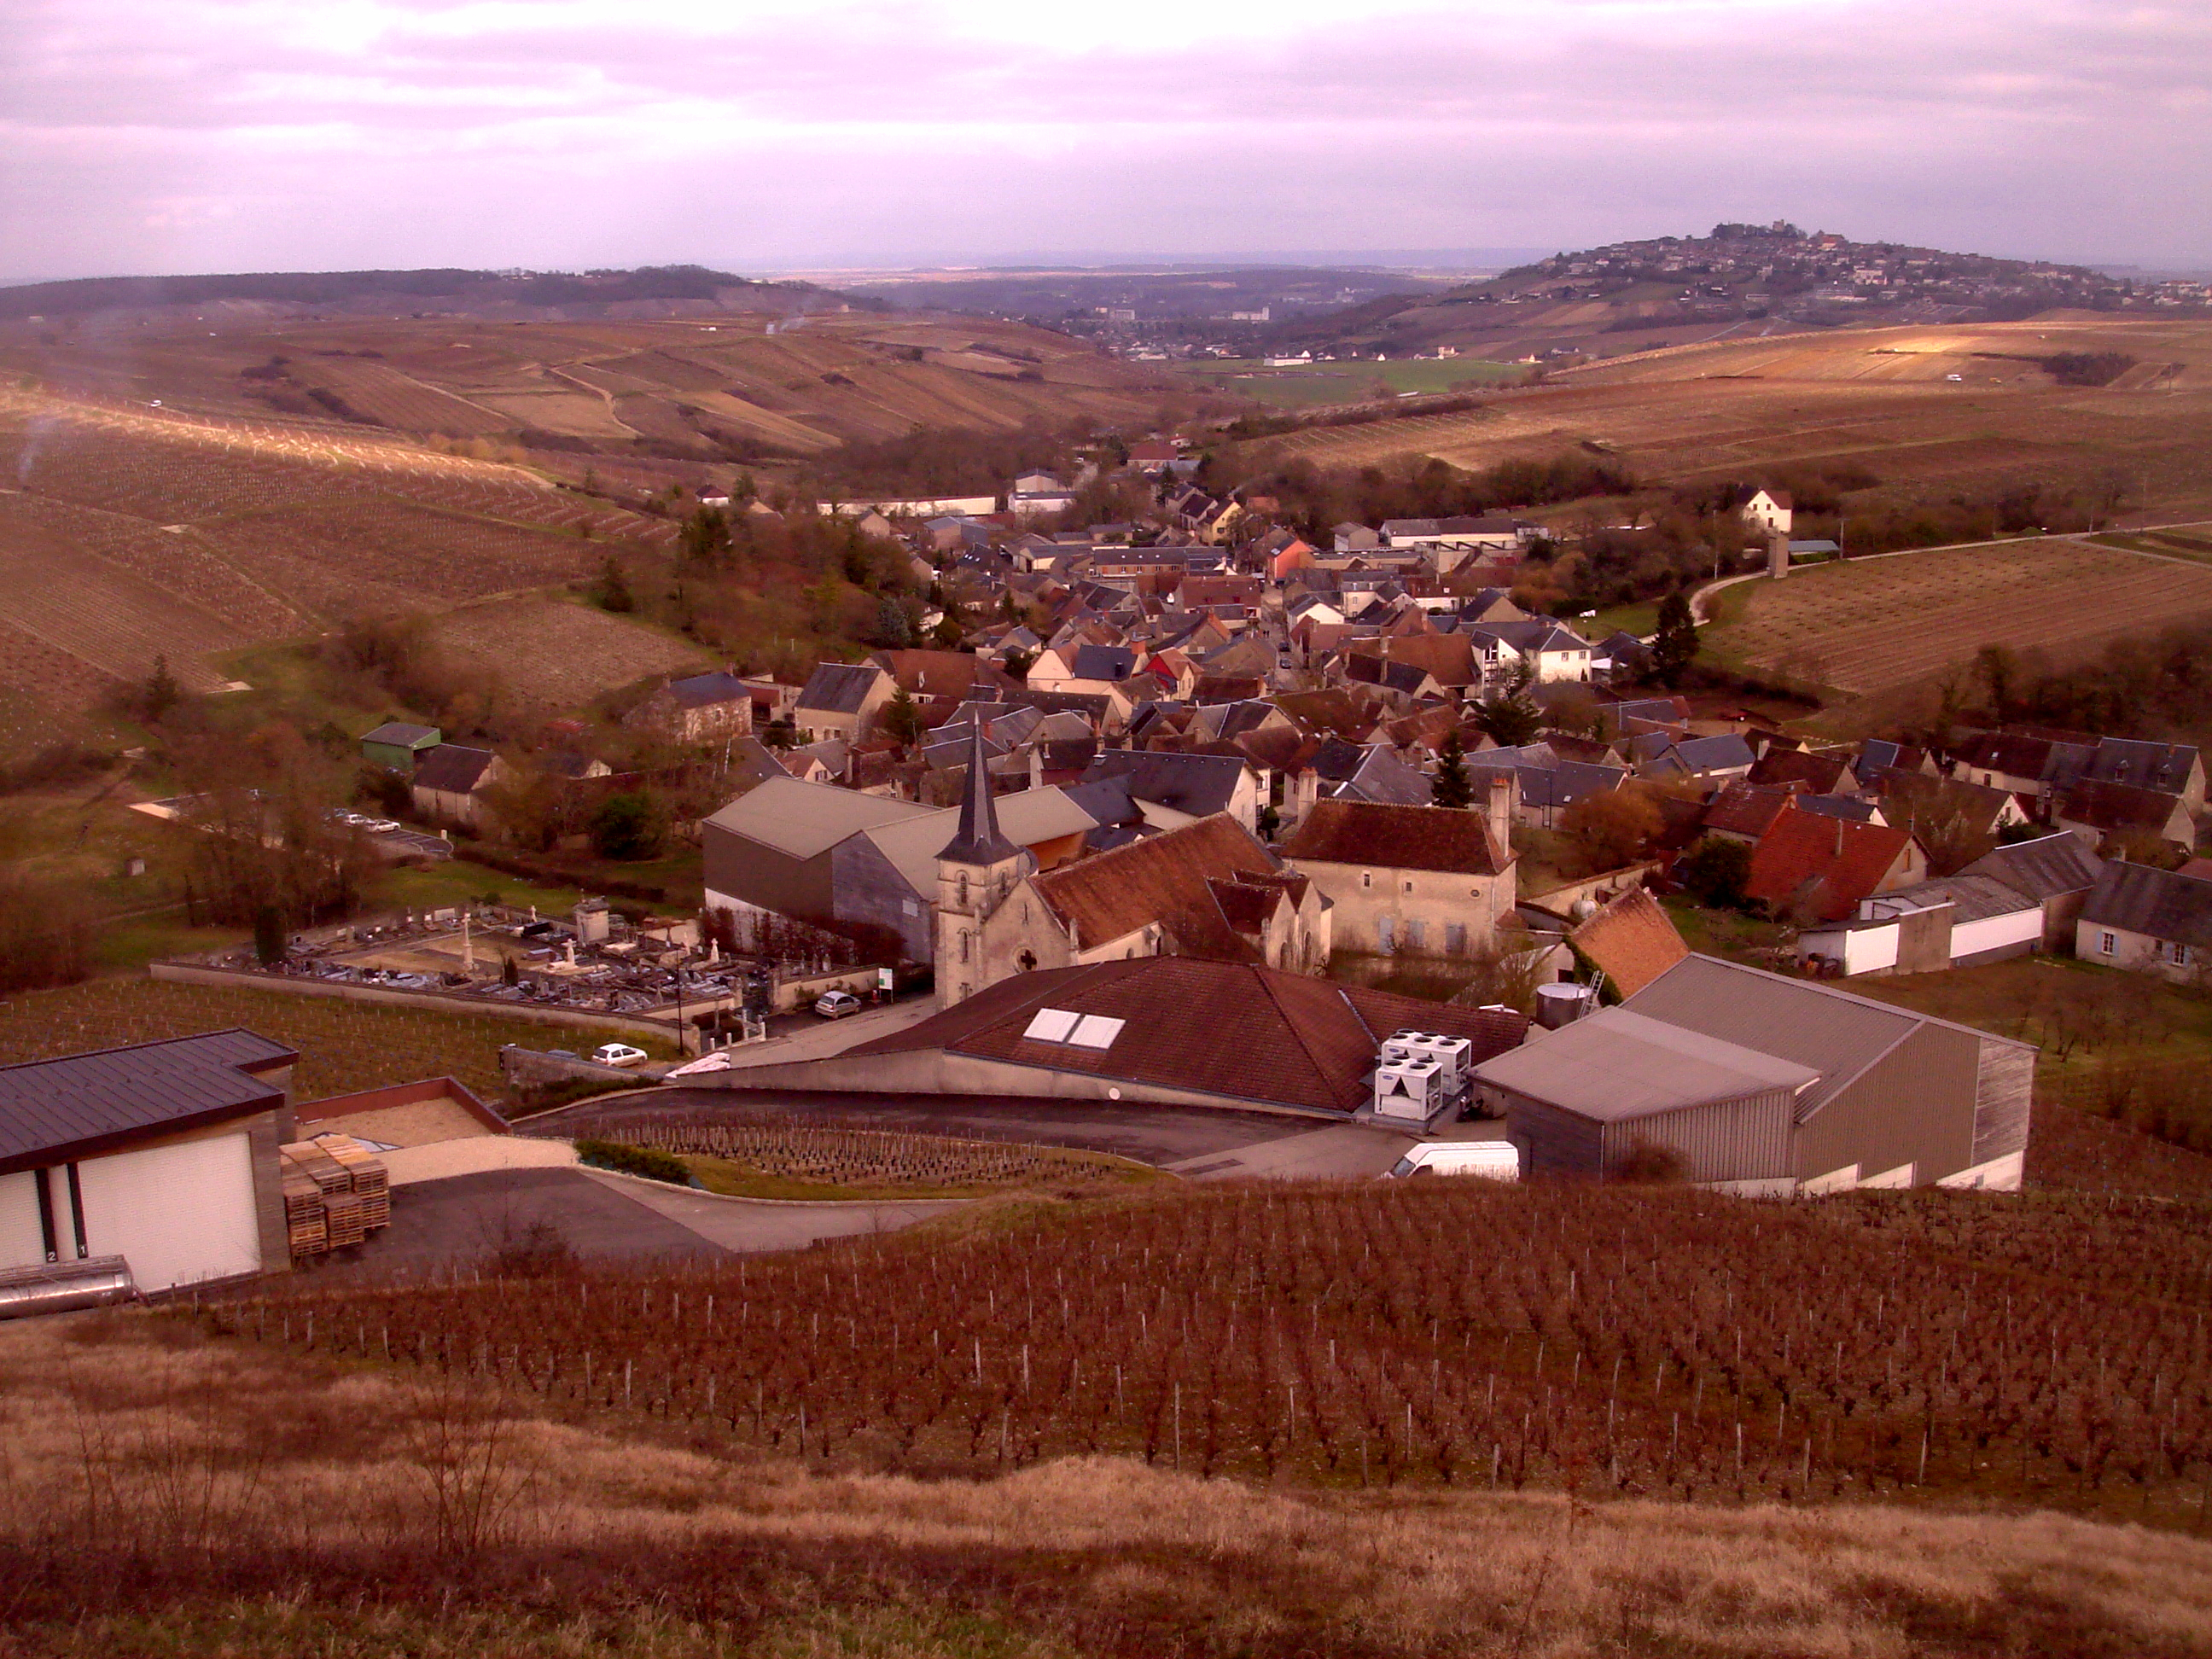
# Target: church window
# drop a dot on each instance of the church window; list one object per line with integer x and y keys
{"x": 964, "y": 891}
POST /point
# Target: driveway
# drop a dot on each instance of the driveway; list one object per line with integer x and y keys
{"x": 465, "y": 1218}
{"x": 745, "y": 1226}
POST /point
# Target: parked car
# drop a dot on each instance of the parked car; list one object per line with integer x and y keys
{"x": 1500, "y": 1160}
{"x": 835, "y": 1005}
{"x": 618, "y": 1053}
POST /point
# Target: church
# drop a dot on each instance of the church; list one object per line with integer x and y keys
{"x": 1209, "y": 889}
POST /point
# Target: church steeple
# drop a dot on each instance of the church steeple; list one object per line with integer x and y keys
{"x": 979, "y": 842}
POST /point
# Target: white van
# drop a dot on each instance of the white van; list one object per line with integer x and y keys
{"x": 1500, "y": 1160}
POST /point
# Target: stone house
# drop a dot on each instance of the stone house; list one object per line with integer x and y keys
{"x": 1410, "y": 880}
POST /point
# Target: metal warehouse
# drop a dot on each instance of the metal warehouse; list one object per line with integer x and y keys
{"x": 1765, "y": 1084}
{"x": 163, "y": 1154}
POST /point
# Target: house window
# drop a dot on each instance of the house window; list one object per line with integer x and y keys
{"x": 1454, "y": 939}
{"x": 1385, "y": 932}
{"x": 2105, "y": 943}
{"x": 1409, "y": 886}
{"x": 1366, "y": 879}
{"x": 2178, "y": 954}
{"x": 1417, "y": 934}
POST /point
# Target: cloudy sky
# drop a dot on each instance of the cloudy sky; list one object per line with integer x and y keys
{"x": 166, "y": 135}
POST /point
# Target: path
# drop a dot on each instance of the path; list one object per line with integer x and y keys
{"x": 745, "y": 1224}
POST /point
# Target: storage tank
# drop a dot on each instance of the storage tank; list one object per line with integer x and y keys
{"x": 60, "y": 1286}
{"x": 1562, "y": 1004}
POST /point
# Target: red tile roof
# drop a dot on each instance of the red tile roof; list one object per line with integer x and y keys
{"x": 1238, "y": 1031}
{"x": 1824, "y": 865}
{"x": 1398, "y": 838}
{"x": 1631, "y": 940}
{"x": 1747, "y": 809}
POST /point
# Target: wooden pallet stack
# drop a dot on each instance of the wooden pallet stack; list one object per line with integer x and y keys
{"x": 335, "y": 1193}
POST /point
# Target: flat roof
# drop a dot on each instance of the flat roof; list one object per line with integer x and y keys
{"x": 1618, "y": 1065}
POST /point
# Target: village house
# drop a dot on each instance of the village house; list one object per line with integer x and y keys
{"x": 709, "y": 708}
{"x": 2149, "y": 921}
{"x": 2058, "y": 871}
{"x": 1819, "y": 868}
{"x": 1410, "y": 880}
{"x": 1769, "y": 512}
{"x": 449, "y": 785}
{"x": 841, "y": 700}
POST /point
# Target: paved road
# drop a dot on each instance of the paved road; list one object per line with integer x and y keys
{"x": 1195, "y": 1141}
{"x": 736, "y": 1225}
{"x": 463, "y": 1219}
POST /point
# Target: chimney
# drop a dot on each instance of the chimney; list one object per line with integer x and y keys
{"x": 1778, "y": 554}
{"x": 1499, "y": 805}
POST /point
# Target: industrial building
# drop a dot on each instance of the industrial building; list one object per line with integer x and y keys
{"x": 163, "y": 1154}
{"x": 1757, "y": 1084}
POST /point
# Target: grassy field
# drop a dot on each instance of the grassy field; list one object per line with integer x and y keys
{"x": 1867, "y": 625}
{"x": 1306, "y": 385}
{"x": 343, "y": 1046}
{"x": 352, "y": 1512}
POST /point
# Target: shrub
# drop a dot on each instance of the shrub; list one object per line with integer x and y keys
{"x": 647, "y": 1161}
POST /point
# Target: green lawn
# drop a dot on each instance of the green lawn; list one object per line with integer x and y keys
{"x": 1306, "y": 384}
{"x": 456, "y": 881}
{"x": 1641, "y": 619}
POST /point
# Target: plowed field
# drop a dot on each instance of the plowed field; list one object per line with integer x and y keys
{"x": 1873, "y": 623}
{"x": 560, "y": 655}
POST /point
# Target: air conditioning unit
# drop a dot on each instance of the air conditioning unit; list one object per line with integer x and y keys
{"x": 1410, "y": 1091}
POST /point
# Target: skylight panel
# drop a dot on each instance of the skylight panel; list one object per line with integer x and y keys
{"x": 1094, "y": 1031}
{"x": 1052, "y": 1025}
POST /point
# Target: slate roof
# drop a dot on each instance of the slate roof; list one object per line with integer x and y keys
{"x": 705, "y": 690}
{"x": 1236, "y": 1031}
{"x": 2122, "y": 806}
{"x": 2045, "y": 868}
{"x": 1563, "y": 785}
{"x": 2141, "y": 898}
{"x": 839, "y": 688}
{"x": 78, "y": 1105}
{"x": 453, "y": 768}
{"x": 1198, "y": 785}
{"x": 1436, "y": 838}
{"x": 2162, "y": 766}
{"x": 1110, "y": 663}
{"x": 1633, "y": 940}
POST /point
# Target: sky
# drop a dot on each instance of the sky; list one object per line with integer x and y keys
{"x": 148, "y": 137}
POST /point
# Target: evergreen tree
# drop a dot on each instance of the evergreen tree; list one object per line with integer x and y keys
{"x": 1449, "y": 786}
{"x": 162, "y": 693}
{"x": 902, "y": 718}
{"x": 1674, "y": 648}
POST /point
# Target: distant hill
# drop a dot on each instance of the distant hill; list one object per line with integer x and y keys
{"x": 411, "y": 292}
{"x": 1739, "y": 279}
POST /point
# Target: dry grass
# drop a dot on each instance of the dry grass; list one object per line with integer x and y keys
{"x": 163, "y": 1493}
{"x": 560, "y": 655}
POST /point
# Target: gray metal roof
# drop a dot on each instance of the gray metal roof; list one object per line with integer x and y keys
{"x": 2044, "y": 868}
{"x": 1620, "y": 1064}
{"x": 2141, "y": 898}
{"x": 53, "y": 1110}
{"x": 1834, "y": 1032}
{"x": 454, "y": 768}
{"x": 1973, "y": 898}
{"x": 804, "y": 820}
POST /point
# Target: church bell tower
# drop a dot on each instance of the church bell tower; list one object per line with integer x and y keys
{"x": 976, "y": 871}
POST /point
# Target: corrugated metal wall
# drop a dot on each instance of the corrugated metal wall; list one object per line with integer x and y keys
{"x": 2004, "y": 1090}
{"x": 1747, "y": 1139}
{"x": 1553, "y": 1142}
{"x": 1916, "y": 1105}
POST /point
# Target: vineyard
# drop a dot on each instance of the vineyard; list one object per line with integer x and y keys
{"x": 910, "y": 1165}
{"x": 562, "y": 655}
{"x": 1608, "y": 1340}
{"x": 343, "y": 1046}
{"x": 1869, "y": 624}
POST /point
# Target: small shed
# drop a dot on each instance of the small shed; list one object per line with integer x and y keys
{"x": 397, "y": 746}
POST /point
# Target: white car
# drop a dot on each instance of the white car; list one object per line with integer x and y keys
{"x": 380, "y": 826}
{"x": 618, "y": 1053}
{"x": 835, "y": 1005}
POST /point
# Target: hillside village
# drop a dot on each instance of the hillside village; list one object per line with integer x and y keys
{"x": 1437, "y": 860}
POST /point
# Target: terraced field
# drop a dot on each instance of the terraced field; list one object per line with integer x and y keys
{"x": 1873, "y": 623}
